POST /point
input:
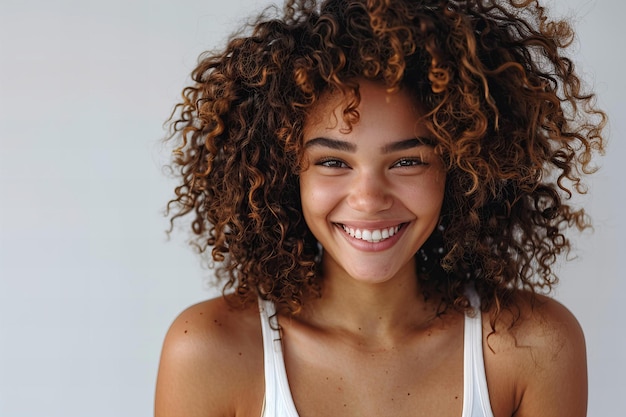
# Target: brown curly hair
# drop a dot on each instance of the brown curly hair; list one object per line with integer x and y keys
{"x": 509, "y": 116}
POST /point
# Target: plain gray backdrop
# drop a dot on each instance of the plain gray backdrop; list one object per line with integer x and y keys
{"x": 88, "y": 281}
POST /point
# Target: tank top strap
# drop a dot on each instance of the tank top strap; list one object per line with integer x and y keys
{"x": 277, "y": 401}
{"x": 475, "y": 393}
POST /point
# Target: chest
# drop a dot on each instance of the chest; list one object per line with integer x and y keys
{"x": 422, "y": 377}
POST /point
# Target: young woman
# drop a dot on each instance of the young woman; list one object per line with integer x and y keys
{"x": 384, "y": 185}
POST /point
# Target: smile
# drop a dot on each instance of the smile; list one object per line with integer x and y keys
{"x": 372, "y": 235}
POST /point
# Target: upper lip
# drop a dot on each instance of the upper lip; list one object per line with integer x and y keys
{"x": 372, "y": 225}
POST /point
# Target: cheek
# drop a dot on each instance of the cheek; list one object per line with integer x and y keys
{"x": 320, "y": 197}
{"x": 426, "y": 194}
{"x": 438, "y": 182}
{"x": 315, "y": 196}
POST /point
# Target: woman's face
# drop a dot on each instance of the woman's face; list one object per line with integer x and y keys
{"x": 371, "y": 195}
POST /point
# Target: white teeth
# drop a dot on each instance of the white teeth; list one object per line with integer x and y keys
{"x": 373, "y": 236}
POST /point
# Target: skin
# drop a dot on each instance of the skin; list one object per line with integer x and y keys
{"x": 371, "y": 345}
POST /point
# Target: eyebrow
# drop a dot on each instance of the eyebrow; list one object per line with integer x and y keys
{"x": 340, "y": 145}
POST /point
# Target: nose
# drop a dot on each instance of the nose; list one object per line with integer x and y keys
{"x": 369, "y": 193}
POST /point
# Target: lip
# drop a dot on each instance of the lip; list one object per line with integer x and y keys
{"x": 377, "y": 224}
{"x": 373, "y": 246}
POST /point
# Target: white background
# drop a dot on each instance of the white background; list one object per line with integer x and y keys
{"x": 89, "y": 282}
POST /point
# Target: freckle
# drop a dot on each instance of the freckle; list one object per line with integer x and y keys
{"x": 341, "y": 378}
{"x": 359, "y": 328}
{"x": 240, "y": 353}
{"x": 186, "y": 321}
{"x": 185, "y": 331}
{"x": 345, "y": 405}
{"x": 201, "y": 313}
{"x": 380, "y": 318}
{"x": 326, "y": 378}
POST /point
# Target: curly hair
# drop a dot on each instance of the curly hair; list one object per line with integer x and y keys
{"x": 508, "y": 114}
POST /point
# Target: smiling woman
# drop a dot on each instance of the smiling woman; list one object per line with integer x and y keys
{"x": 385, "y": 187}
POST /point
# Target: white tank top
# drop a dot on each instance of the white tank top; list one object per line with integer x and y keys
{"x": 278, "y": 401}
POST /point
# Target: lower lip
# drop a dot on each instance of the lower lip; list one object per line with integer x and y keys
{"x": 366, "y": 246}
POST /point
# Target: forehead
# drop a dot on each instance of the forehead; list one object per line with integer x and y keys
{"x": 377, "y": 107}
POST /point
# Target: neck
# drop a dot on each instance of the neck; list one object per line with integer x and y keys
{"x": 375, "y": 311}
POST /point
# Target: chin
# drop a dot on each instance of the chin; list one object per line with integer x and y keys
{"x": 371, "y": 276}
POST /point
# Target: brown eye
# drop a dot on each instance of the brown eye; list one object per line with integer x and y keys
{"x": 332, "y": 163}
{"x": 409, "y": 162}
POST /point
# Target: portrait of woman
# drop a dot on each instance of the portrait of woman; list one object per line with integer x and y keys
{"x": 384, "y": 188}
{"x": 311, "y": 208}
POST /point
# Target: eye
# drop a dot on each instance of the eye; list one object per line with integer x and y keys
{"x": 409, "y": 162}
{"x": 331, "y": 163}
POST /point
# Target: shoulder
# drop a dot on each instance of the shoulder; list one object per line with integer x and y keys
{"x": 539, "y": 350}
{"x": 211, "y": 362}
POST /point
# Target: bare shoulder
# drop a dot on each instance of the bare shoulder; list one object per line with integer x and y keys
{"x": 211, "y": 363}
{"x": 541, "y": 355}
